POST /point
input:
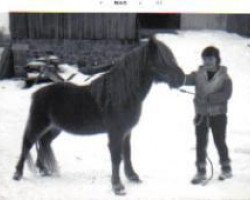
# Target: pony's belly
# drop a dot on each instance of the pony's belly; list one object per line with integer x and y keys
{"x": 81, "y": 127}
{"x": 86, "y": 130}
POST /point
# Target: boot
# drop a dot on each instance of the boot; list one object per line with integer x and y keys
{"x": 200, "y": 176}
{"x": 226, "y": 172}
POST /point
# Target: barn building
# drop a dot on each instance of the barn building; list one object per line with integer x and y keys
{"x": 101, "y": 37}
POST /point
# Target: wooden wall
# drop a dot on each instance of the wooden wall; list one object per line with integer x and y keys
{"x": 6, "y": 62}
{"x": 239, "y": 23}
{"x": 235, "y": 23}
{"x": 204, "y": 21}
{"x": 73, "y": 26}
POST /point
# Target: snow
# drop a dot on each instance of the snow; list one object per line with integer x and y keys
{"x": 162, "y": 143}
{"x": 4, "y": 22}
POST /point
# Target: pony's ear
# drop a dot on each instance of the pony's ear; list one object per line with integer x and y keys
{"x": 153, "y": 41}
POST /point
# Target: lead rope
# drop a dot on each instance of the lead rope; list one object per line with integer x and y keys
{"x": 204, "y": 183}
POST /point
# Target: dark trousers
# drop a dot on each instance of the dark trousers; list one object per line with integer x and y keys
{"x": 218, "y": 125}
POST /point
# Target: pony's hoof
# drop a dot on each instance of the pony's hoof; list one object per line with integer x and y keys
{"x": 17, "y": 176}
{"x": 45, "y": 173}
{"x": 134, "y": 178}
{"x": 119, "y": 189}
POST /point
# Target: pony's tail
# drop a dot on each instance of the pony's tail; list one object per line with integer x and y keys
{"x": 47, "y": 158}
{"x": 31, "y": 164}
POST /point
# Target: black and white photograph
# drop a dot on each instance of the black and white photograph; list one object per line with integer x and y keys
{"x": 135, "y": 105}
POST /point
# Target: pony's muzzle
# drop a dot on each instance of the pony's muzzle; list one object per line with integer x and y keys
{"x": 178, "y": 80}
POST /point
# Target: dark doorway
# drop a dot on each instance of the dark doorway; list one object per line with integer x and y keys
{"x": 158, "y": 21}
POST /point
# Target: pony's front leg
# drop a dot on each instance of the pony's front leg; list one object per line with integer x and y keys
{"x": 115, "y": 147}
{"x": 128, "y": 167}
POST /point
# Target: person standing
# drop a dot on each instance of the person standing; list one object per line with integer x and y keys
{"x": 213, "y": 89}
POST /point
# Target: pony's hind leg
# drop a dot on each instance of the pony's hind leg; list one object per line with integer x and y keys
{"x": 128, "y": 167}
{"x": 26, "y": 146}
{"x": 32, "y": 133}
{"x": 46, "y": 161}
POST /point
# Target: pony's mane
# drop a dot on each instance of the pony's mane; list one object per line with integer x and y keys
{"x": 121, "y": 83}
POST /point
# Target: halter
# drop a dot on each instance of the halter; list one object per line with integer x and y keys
{"x": 184, "y": 80}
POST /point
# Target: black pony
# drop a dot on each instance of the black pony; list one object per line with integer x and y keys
{"x": 112, "y": 104}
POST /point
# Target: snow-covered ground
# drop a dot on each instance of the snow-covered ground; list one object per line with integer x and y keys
{"x": 4, "y": 22}
{"x": 162, "y": 143}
